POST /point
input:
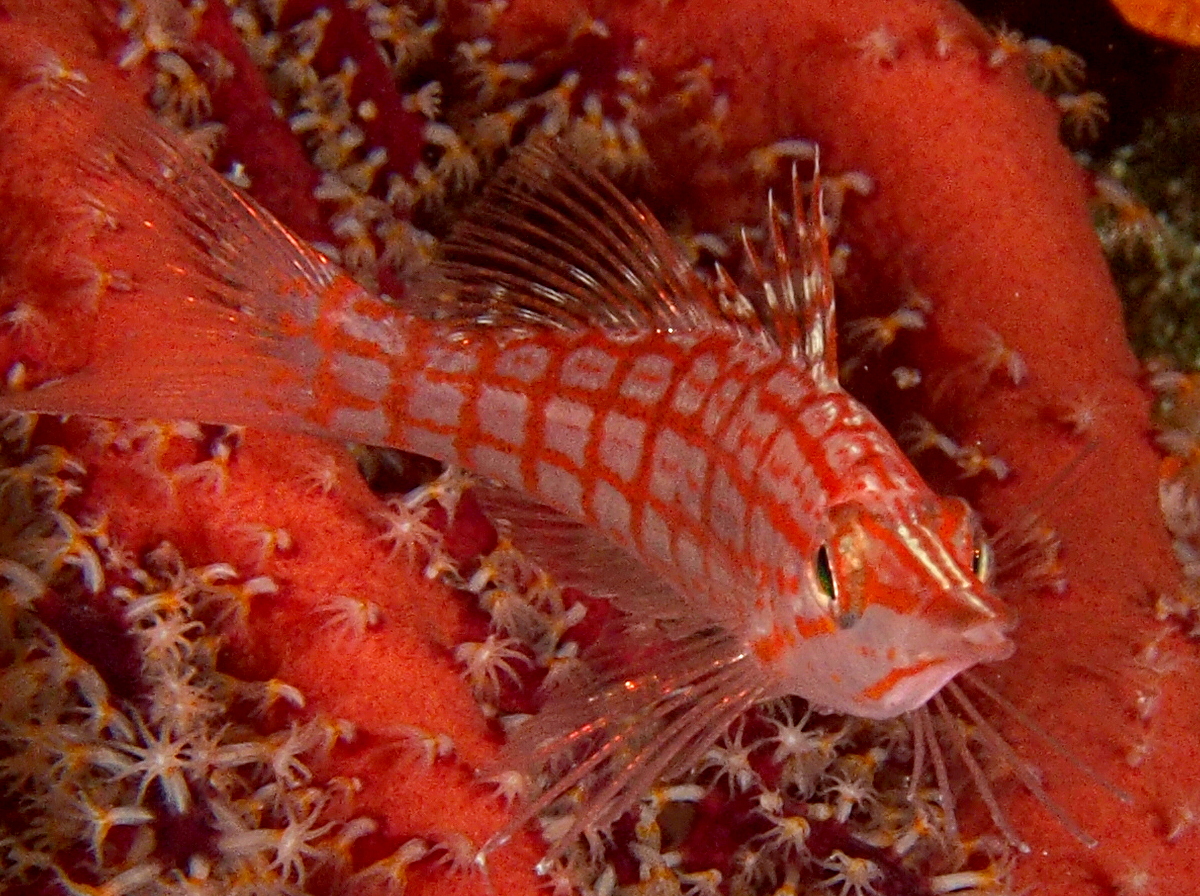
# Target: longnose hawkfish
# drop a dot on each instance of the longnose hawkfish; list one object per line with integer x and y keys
{"x": 684, "y": 450}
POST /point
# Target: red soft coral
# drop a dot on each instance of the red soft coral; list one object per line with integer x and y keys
{"x": 976, "y": 206}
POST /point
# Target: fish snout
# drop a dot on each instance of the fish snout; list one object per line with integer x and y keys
{"x": 989, "y": 642}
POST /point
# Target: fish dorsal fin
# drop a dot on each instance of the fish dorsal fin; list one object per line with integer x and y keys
{"x": 579, "y": 557}
{"x": 551, "y": 242}
{"x": 790, "y": 297}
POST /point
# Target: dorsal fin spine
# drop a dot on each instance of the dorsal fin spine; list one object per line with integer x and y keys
{"x": 817, "y": 287}
{"x": 588, "y": 255}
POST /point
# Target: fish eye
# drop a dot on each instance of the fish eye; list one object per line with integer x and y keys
{"x": 828, "y": 585}
{"x": 981, "y": 561}
{"x": 825, "y": 576}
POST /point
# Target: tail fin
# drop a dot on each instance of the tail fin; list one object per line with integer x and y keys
{"x": 213, "y": 318}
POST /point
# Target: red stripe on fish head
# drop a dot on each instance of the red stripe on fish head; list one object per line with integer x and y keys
{"x": 904, "y": 610}
{"x": 923, "y": 561}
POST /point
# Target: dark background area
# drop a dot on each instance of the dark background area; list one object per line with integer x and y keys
{"x": 1139, "y": 75}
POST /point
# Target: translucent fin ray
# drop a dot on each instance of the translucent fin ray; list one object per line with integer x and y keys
{"x": 648, "y": 715}
{"x": 579, "y": 557}
{"x": 553, "y": 243}
{"x": 213, "y": 324}
{"x": 223, "y": 246}
{"x": 1045, "y": 736}
{"x": 791, "y": 293}
{"x": 982, "y": 787}
{"x": 951, "y": 703}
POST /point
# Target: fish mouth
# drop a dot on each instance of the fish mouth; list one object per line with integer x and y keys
{"x": 913, "y": 691}
{"x": 989, "y": 643}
